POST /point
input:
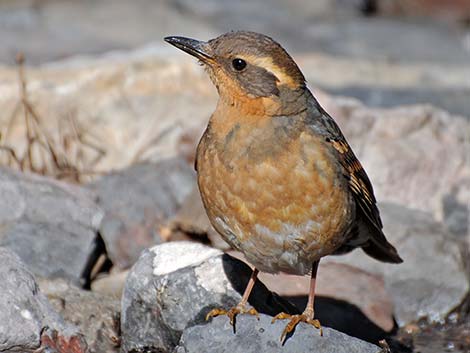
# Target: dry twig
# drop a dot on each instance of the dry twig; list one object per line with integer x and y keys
{"x": 66, "y": 156}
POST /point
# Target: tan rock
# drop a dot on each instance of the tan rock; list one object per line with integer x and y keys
{"x": 111, "y": 284}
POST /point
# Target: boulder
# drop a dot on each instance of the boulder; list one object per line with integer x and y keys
{"x": 138, "y": 201}
{"x": 174, "y": 285}
{"x": 27, "y": 320}
{"x": 261, "y": 336}
{"x": 51, "y": 225}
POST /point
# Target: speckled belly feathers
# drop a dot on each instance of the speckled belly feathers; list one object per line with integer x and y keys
{"x": 282, "y": 203}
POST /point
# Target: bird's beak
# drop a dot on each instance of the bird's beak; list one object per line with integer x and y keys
{"x": 196, "y": 48}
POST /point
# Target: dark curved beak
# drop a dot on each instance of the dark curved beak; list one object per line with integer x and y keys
{"x": 196, "y": 48}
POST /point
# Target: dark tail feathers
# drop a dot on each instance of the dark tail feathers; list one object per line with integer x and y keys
{"x": 382, "y": 250}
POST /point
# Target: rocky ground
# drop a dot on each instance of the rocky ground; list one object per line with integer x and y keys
{"x": 76, "y": 250}
{"x": 110, "y": 249}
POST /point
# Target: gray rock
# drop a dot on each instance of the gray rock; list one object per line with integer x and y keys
{"x": 96, "y": 315}
{"x": 51, "y": 225}
{"x": 174, "y": 285}
{"x": 137, "y": 202}
{"x": 432, "y": 281}
{"x": 27, "y": 320}
{"x": 260, "y": 336}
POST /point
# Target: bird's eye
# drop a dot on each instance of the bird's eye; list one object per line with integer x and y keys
{"x": 238, "y": 64}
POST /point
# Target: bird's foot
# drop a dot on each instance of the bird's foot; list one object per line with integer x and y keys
{"x": 232, "y": 313}
{"x": 294, "y": 320}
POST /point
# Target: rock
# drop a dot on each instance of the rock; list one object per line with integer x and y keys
{"x": 261, "y": 336}
{"x": 138, "y": 201}
{"x": 174, "y": 285}
{"x": 96, "y": 315}
{"x": 27, "y": 319}
{"x": 51, "y": 225}
{"x": 432, "y": 281}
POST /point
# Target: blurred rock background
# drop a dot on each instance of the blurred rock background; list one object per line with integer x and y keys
{"x": 110, "y": 115}
{"x": 384, "y": 52}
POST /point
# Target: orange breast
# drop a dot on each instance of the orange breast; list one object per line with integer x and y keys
{"x": 283, "y": 210}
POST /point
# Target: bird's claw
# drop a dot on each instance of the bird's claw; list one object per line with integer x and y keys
{"x": 294, "y": 320}
{"x": 232, "y": 313}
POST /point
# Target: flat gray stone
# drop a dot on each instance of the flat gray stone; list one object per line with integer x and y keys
{"x": 174, "y": 285}
{"x": 261, "y": 336}
{"x": 27, "y": 319}
{"x": 431, "y": 281}
{"x": 51, "y": 225}
{"x": 137, "y": 202}
{"x": 50, "y": 250}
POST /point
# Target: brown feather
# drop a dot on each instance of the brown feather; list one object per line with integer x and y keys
{"x": 377, "y": 245}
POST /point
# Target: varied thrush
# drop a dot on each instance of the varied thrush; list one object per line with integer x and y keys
{"x": 278, "y": 180}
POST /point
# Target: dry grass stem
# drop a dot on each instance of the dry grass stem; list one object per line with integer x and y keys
{"x": 70, "y": 152}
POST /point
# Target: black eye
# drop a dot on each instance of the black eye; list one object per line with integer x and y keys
{"x": 238, "y": 64}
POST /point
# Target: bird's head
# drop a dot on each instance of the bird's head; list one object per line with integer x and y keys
{"x": 248, "y": 68}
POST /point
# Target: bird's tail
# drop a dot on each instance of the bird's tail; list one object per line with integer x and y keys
{"x": 380, "y": 249}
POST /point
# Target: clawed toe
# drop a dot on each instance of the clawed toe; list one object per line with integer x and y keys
{"x": 215, "y": 312}
{"x": 232, "y": 313}
{"x": 294, "y": 320}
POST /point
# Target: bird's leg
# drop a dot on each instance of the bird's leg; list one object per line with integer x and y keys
{"x": 308, "y": 315}
{"x": 241, "y": 307}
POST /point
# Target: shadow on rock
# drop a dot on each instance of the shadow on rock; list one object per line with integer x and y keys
{"x": 337, "y": 314}
{"x": 344, "y": 317}
{"x": 261, "y": 298}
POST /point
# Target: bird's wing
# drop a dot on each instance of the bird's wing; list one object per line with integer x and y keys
{"x": 359, "y": 182}
{"x": 378, "y": 247}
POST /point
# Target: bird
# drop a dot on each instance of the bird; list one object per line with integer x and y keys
{"x": 277, "y": 177}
